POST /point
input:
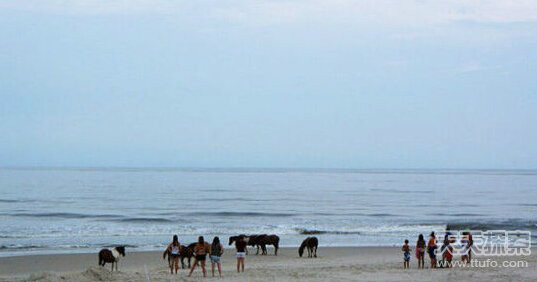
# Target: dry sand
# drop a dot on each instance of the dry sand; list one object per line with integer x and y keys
{"x": 333, "y": 264}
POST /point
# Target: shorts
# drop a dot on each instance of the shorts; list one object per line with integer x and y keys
{"x": 431, "y": 253}
{"x": 406, "y": 256}
{"x": 241, "y": 254}
{"x": 215, "y": 259}
{"x": 175, "y": 256}
{"x": 201, "y": 257}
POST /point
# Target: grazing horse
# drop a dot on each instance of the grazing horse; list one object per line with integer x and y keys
{"x": 184, "y": 252}
{"x": 265, "y": 240}
{"x": 311, "y": 243}
{"x": 111, "y": 256}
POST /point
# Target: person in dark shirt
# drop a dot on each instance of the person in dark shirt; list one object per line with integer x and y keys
{"x": 240, "y": 245}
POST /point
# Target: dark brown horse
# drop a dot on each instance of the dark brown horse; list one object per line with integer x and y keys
{"x": 184, "y": 252}
{"x": 256, "y": 240}
{"x": 311, "y": 243}
{"x": 264, "y": 240}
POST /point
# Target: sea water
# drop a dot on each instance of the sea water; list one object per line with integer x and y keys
{"x": 82, "y": 210}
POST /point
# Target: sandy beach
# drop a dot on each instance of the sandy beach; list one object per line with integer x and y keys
{"x": 333, "y": 264}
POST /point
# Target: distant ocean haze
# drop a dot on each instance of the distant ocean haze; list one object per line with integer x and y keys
{"x": 81, "y": 210}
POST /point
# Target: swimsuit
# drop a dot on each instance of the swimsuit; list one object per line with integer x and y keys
{"x": 174, "y": 253}
{"x": 201, "y": 252}
{"x": 406, "y": 256}
{"x": 201, "y": 257}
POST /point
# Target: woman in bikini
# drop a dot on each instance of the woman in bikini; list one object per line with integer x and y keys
{"x": 420, "y": 251}
{"x": 173, "y": 251}
{"x": 200, "y": 254}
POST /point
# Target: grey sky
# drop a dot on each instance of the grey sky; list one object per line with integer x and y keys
{"x": 336, "y": 84}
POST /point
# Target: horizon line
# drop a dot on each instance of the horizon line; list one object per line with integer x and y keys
{"x": 273, "y": 169}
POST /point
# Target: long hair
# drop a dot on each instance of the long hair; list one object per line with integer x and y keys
{"x": 420, "y": 239}
{"x": 216, "y": 243}
{"x": 175, "y": 241}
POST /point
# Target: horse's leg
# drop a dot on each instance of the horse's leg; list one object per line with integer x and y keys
{"x": 315, "y": 255}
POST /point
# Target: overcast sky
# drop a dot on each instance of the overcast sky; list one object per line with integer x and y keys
{"x": 324, "y": 84}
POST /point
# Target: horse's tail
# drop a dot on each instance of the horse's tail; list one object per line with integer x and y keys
{"x": 100, "y": 259}
{"x": 164, "y": 254}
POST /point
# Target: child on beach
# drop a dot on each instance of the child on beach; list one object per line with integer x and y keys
{"x": 420, "y": 251}
{"x": 240, "y": 246}
{"x": 217, "y": 250}
{"x": 200, "y": 254}
{"x": 406, "y": 255}
{"x": 173, "y": 251}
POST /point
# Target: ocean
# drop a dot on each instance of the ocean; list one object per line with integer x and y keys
{"x": 45, "y": 211}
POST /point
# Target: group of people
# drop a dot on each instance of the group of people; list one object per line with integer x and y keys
{"x": 431, "y": 248}
{"x": 200, "y": 252}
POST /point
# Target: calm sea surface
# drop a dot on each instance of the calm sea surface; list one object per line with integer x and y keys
{"x": 81, "y": 210}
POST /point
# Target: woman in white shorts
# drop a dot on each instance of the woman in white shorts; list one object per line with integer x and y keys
{"x": 240, "y": 246}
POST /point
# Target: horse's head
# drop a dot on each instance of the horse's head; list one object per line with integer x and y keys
{"x": 301, "y": 250}
{"x": 231, "y": 240}
{"x": 121, "y": 250}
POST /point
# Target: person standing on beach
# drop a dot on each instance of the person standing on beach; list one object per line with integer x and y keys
{"x": 420, "y": 251}
{"x": 431, "y": 249}
{"x": 447, "y": 253}
{"x": 240, "y": 246}
{"x": 467, "y": 242}
{"x": 173, "y": 251}
{"x": 200, "y": 254}
{"x": 406, "y": 255}
{"x": 217, "y": 250}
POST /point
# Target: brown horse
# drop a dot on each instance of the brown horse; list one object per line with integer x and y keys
{"x": 258, "y": 240}
{"x": 311, "y": 243}
{"x": 184, "y": 252}
{"x": 264, "y": 240}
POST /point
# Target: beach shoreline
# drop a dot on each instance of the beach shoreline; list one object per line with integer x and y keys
{"x": 333, "y": 263}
